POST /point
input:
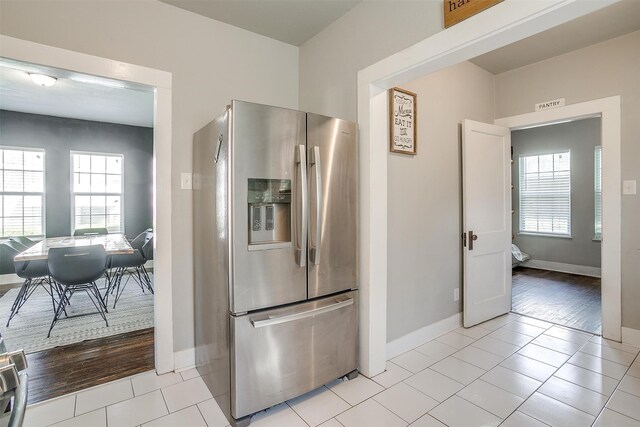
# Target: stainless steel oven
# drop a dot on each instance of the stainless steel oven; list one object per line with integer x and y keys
{"x": 14, "y": 384}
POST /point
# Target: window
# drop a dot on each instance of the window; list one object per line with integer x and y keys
{"x": 545, "y": 194}
{"x": 22, "y": 192}
{"x": 598, "y": 192}
{"x": 97, "y": 188}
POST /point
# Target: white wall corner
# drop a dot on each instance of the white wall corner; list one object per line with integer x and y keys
{"x": 184, "y": 359}
{"x": 631, "y": 336}
{"x": 423, "y": 335}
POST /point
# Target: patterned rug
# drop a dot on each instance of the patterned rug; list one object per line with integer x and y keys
{"x": 28, "y": 329}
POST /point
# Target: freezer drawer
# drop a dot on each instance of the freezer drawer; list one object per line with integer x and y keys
{"x": 280, "y": 354}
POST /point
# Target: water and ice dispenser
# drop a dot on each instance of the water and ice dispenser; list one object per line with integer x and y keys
{"x": 269, "y": 204}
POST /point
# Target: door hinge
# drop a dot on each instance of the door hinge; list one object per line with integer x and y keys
{"x": 464, "y": 240}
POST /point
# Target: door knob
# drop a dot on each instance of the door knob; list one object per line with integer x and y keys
{"x": 472, "y": 238}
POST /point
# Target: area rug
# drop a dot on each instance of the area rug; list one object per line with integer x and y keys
{"x": 28, "y": 329}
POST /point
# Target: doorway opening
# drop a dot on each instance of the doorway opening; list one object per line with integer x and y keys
{"x": 557, "y": 223}
{"x": 77, "y": 161}
{"x": 422, "y": 59}
{"x": 605, "y": 114}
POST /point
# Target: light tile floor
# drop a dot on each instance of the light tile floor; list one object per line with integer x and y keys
{"x": 509, "y": 371}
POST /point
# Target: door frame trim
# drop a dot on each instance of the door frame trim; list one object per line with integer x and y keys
{"x": 499, "y": 26}
{"x": 608, "y": 109}
{"x": 27, "y": 51}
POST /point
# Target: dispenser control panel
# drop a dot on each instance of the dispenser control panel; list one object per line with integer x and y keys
{"x": 269, "y": 205}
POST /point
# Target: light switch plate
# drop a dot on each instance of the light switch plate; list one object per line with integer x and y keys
{"x": 456, "y": 294}
{"x": 186, "y": 181}
{"x": 629, "y": 187}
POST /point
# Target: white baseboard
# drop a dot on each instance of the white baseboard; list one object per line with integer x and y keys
{"x": 184, "y": 359}
{"x": 582, "y": 270}
{"x": 631, "y": 336}
{"x": 422, "y": 335}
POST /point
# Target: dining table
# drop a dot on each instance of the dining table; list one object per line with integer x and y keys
{"x": 114, "y": 244}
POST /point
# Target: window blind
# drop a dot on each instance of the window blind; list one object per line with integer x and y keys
{"x": 598, "y": 192}
{"x": 545, "y": 194}
{"x": 21, "y": 192}
{"x": 97, "y": 191}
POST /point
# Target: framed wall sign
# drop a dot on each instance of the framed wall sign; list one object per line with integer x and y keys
{"x": 402, "y": 121}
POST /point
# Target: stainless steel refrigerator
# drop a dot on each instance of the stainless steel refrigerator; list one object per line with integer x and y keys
{"x": 276, "y": 255}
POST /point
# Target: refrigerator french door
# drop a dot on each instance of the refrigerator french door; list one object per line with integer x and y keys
{"x": 275, "y": 230}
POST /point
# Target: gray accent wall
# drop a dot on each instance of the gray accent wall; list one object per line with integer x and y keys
{"x": 580, "y": 138}
{"x": 210, "y": 63}
{"x": 59, "y": 136}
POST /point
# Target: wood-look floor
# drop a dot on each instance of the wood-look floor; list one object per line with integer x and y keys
{"x": 74, "y": 367}
{"x": 565, "y": 299}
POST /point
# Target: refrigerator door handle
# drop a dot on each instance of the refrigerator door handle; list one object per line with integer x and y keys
{"x": 314, "y": 250}
{"x": 302, "y": 315}
{"x": 303, "y": 224}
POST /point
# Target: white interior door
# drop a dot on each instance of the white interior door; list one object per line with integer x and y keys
{"x": 486, "y": 201}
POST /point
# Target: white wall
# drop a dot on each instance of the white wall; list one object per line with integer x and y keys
{"x": 606, "y": 69}
{"x": 424, "y": 256}
{"x": 423, "y": 263}
{"x": 373, "y": 30}
{"x": 211, "y": 63}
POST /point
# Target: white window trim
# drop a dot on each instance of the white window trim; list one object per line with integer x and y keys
{"x": 545, "y": 234}
{"x": 72, "y": 194}
{"x": 43, "y": 194}
{"x": 597, "y": 236}
{"x": 567, "y": 235}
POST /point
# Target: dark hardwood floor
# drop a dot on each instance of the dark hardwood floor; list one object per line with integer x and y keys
{"x": 74, "y": 367}
{"x": 565, "y": 299}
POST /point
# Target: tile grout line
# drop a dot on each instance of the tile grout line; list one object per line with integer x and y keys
{"x": 369, "y": 398}
{"x": 526, "y": 399}
{"x": 617, "y": 412}
{"x": 75, "y": 405}
{"x": 588, "y": 369}
{"x": 500, "y": 364}
{"x": 350, "y": 406}
{"x": 618, "y": 381}
{"x": 200, "y": 411}
{"x": 398, "y": 415}
{"x": 578, "y": 385}
{"x": 464, "y": 386}
{"x": 526, "y": 415}
{"x": 286, "y": 402}
{"x": 616, "y": 389}
{"x": 485, "y": 410}
{"x": 164, "y": 399}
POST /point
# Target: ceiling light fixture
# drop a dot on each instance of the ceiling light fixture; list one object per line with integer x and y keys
{"x": 42, "y": 79}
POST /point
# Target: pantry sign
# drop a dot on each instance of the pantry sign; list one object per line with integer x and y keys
{"x": 458, "y": 10}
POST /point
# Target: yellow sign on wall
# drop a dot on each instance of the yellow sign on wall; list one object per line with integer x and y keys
{"x": 458, "y": 10}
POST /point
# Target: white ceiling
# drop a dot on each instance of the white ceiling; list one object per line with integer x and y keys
{"x": 290, "y": 21}
{"x": 75, "y": 96}
{"x": 613, "y": 21}
{"x": 98, "y": 99}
